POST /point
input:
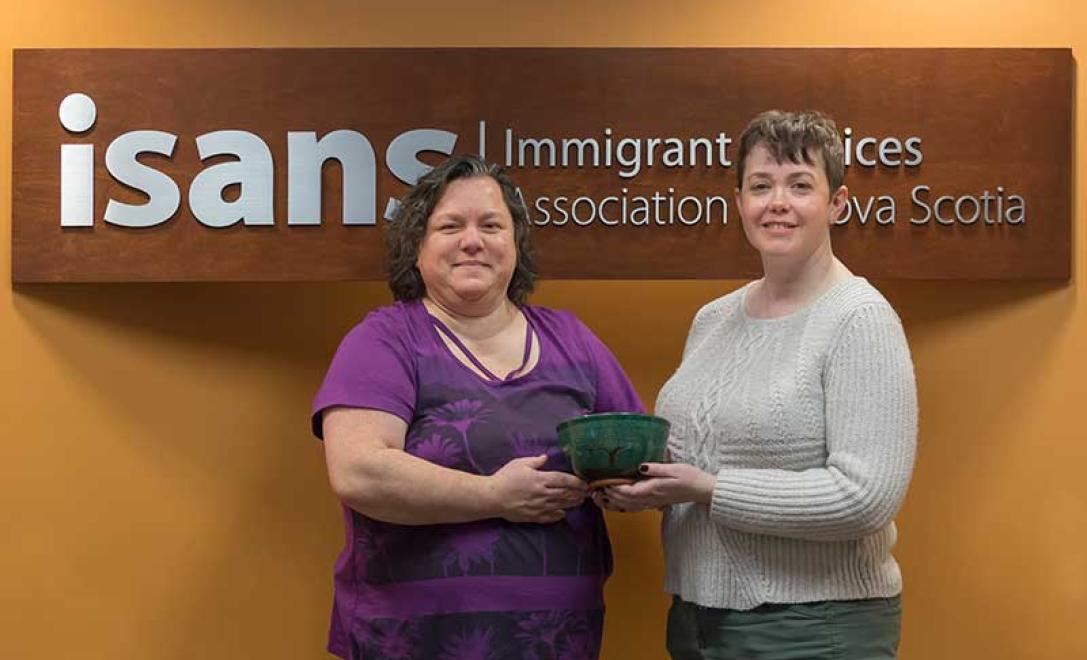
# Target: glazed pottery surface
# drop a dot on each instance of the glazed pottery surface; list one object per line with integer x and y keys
{"x": 608, "y": 447}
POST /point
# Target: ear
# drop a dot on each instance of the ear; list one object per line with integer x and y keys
{"x": 837, "y": 202}
{"x": 736, "y": 199}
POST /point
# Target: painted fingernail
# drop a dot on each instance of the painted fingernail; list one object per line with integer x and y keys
{"x": 643, "y": 468}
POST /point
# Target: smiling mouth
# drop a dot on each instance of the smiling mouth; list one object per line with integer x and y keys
{"x": 472, "y": 263}
{"x": 778, "y": 225}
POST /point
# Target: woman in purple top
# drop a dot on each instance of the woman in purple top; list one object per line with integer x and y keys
{"x": 467, "y": 535}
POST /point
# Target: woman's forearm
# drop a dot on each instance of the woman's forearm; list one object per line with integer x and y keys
{"x": 393, "y": 486}
{"x": 370, "y": 472}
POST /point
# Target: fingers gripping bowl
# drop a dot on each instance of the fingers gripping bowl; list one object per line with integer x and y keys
{"x": 606, "y": 449}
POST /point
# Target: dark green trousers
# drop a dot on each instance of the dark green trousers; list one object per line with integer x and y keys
{"x": 825, "y": 630}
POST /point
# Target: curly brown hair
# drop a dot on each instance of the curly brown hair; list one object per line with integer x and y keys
{"x": 406, "y": 230}
{"x": 796, "y": 137}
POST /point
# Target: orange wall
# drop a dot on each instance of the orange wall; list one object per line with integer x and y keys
{"x": 161, "y": 497}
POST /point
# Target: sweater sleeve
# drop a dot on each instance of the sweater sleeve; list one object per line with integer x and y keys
{"x": 871, "y": 431}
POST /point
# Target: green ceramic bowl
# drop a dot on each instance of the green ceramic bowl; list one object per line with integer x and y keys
{"x": 607, "y": 448}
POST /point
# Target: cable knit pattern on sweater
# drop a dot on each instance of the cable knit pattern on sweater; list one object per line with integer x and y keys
{"x": 809, "y": 422}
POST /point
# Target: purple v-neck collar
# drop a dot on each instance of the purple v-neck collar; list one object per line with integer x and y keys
{"x": 443, "y": 329}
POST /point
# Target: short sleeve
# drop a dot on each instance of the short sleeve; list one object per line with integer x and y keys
{"x": 374, "y": 368}
{"x": 614, "y": 392}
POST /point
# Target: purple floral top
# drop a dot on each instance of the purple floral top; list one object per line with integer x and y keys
{"x": 490, "y": 588}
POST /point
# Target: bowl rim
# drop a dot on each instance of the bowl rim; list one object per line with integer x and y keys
{"x": 592, "y": 417}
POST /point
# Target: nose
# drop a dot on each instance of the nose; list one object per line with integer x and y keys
{"x": 471, "y": 239}
{"x": 779, "y": 203}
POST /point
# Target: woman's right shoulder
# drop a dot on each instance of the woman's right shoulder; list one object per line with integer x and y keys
{"x": 392, "y": 323}
{"x": 719, "y": 308}
{"x": 399, "y": 312}
{"x": 712, "y": 315}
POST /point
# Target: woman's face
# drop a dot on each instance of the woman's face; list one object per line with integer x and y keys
{"x": 787, "y": 208}
{"x": 468, "y": 253}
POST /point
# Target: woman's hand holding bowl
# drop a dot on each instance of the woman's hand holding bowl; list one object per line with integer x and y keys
{"x": 524, "y": 493}
{"x": 661, "y": 484}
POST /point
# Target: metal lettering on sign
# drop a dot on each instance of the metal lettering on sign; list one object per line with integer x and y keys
{"x": 252, "y": 172}
{"x": 163, "y": 195}
{"x": 306, "y": 155}
{"x": 163, "y": 157}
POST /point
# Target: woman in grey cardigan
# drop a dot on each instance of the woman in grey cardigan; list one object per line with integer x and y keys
{"x": 794, "y": 423}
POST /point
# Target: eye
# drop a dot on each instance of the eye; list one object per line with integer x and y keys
{"x": 759, "y": 186}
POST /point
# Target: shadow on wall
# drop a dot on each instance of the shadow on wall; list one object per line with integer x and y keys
{"x": 299, "y": 325}
{"x": 290, "y": 320}
{"x": 981, "y": 350}
{"x": 988, "y": 356}
{"x": 185, "y": 417}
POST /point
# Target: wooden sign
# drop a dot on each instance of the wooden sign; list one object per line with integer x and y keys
{"x": 282, "y": 164}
